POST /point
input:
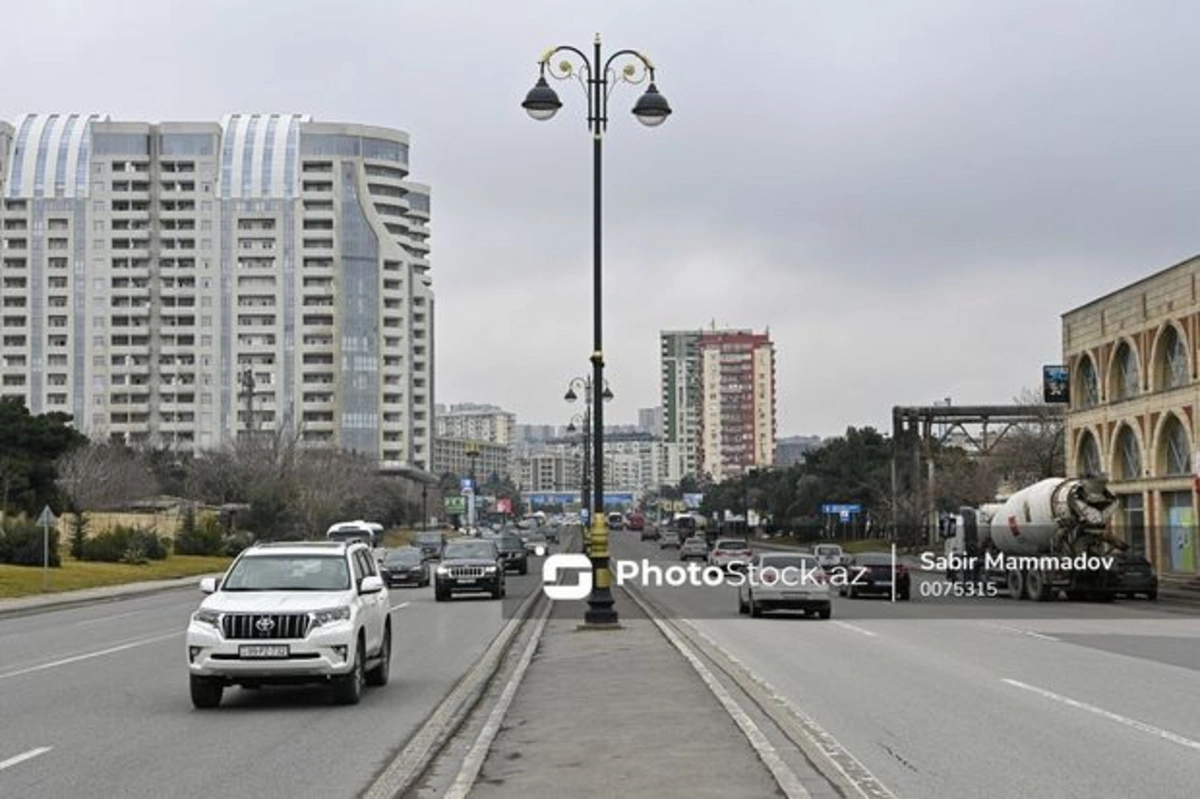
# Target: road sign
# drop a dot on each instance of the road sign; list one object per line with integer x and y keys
{"x": 844, "y": 515}
{"x": 833, "y": 509}
{"x": 455, "y": 505}
{"x": 47, "y": 519}
{"x": 465, "y": 484}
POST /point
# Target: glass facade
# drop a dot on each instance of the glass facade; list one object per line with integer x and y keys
{"x": 1133, "y": 522}
{"x": 121, "y": 144}
{"x": 340, "y": 145}
{"x": 359, "y": 313}
{"x": 188, "y": 144}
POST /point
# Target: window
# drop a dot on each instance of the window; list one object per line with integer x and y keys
{"x": 1089, "y": 462}
{"x": 1174, "y": 448}
{"x": 1126, "y": 380}
{"x": 1173, "y": 371}
{"x": 1130, "y": 454}
{"x": 1133, "y": 518}
{"x": 1089, "y": 388}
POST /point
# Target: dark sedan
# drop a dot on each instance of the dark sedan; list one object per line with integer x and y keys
{"x": 404, "y": 566}
{"x": 512, "y": 552}
{"x": 430, "y": 544}
{"x": 871, "y": 573}
{"x": 1137, "y": 578}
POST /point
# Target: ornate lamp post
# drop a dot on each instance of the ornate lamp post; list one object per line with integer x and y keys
{"x": 651, "y": 109}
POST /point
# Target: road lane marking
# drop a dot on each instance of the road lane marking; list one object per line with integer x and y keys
{"x": 1108, "y": 714}
{"x": 89, "y": 655}
{"x": 856, "y": 628}
{"x": 473, "y": 763}
{"x": 108, "y": 618}
{"x": 857, "y": 776}
{"x": 398, "y": 607}
{"x": 1019, "y": 631}
{"x": 21, "y": 758}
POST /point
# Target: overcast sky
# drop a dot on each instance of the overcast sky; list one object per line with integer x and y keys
{"x": 908, "y": 194}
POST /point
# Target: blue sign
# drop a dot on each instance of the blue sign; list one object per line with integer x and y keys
{"x": 841, "y": 510}
{"x": 466, "y": 484}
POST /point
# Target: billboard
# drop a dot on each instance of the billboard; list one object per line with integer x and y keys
{"x": 693, "y": 501}
{"x": 455, "y": 505}
{"x": 1056, "y": 384}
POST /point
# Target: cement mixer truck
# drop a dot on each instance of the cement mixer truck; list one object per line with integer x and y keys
{"x": 1049, "y": 538}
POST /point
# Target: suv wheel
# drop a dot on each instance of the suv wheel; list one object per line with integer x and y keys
{"x": 379, "y": 674}
{"x": 349, "y": 689}
{"x": 440, "y": 594}
{"x": 206, "y": 693}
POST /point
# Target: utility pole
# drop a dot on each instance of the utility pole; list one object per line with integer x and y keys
{"x": 248, "y": 388}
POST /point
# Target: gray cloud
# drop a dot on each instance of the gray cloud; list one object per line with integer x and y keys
{"x": 909, "y": 195}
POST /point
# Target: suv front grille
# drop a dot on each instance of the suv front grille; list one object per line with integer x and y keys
{"x": 264, "y": 625}
{"x": 466, "y": 571}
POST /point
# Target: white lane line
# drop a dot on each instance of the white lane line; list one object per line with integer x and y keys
{"x": 1108, "y": 714}
{"x": 397, "y": 607}
{"x": 1019, "y": 631}
{"x": 89, "y": 655}
{"x": 21, "y": 758}
{"x": 474, "y": 761}
{"x": 108, "y": 618}
{"x": 859, "y": 777}
{"x": 856, "y": 628}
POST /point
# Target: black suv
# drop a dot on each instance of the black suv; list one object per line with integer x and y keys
{"x": 512, "y": 552}
{"x": 430, "y": 544}
{"x": 469, "y": 565}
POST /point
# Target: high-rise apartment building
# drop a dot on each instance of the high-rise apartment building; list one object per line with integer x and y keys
{"x": 718, "y": 392}
{"x": 680, "y": 353}
{"x": 182, "y": 283}
{"x": 737, "y": 383}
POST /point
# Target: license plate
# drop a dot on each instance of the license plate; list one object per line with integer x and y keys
{"x": 884, "y": 583}
{"x": 264, "y": 651}
{"x": 795, "y": 595}
{"x": 466, "y": 581}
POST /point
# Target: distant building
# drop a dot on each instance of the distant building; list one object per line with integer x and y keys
{"x": 681, "y": 398}
{"x": 451, "y": 455}
{"x": 531, "y": 433}
{"x": 791, "y": 450}
{"x": 650, "y": 420}
{"x": 477, "y": 422}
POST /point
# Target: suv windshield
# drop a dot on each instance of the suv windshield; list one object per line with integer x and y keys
{"x": 429, "y": 538}
{"x": 408, "y": 556}
{"x": 509, "y": 542}
{"x": 289, "y": 573}
{"x": 471, "y": 549}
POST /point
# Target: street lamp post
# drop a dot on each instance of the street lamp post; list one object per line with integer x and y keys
{"x": 651, "y": 109}
{"x": 585, "y": 486}
{"x": 472, "y": 455}
{"x": 585, "y": 385}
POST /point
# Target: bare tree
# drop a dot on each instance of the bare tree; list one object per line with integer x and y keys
{"x": 1035, "y": 450}
{"x": 330, "y": 484}
{"x": 100, "y": 476}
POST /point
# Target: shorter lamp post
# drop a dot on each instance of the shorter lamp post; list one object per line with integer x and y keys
{"x": 585, "y": 488}
{"x": 472, "y": 456}
{"x": 595, "y": 481}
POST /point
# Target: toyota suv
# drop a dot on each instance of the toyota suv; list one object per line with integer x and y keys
{"x": 287, "y": 613}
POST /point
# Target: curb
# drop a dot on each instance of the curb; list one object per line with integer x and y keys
{"x": 428, "y": 740}
{"x": 45, "y": 603}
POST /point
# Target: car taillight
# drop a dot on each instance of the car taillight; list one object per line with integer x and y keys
{"x": 819, "y": 578}
{"x": 901, "y": 570}
{"x": 768, "y": 576}
{"x": 718, "y": 552}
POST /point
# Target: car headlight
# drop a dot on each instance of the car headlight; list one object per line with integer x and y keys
{"x": 489, "y": 569}
{"x": 209, "y": 617}
{"x": 443, "y": 570}
{"x": 331, "y": 615}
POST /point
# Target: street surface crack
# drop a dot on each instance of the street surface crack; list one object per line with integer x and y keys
{"x": 899, "y": 758}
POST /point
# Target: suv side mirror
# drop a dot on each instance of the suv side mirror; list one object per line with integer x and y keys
{"x": 371, "y": 584}
{"x": 208, "y": 585}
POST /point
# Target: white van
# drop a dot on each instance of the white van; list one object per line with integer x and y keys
{"x": 370, "y": 532}
{"x": 828, "y": 555}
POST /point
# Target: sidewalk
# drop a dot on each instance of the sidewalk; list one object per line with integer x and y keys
{"x": 63, "y": 599}
{"x": 617, "y": 713}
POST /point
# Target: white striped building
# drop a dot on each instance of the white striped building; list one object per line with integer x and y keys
{"x": 181, "y": 283}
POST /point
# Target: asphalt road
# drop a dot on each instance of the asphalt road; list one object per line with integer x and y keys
{"x": 1006, "y": 699}
{"x": 95, "y": 703}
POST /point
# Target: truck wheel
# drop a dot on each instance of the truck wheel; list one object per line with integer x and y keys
{"x": 1037, "y": 587}
{"x": 206, "y": 693}
{"x": 1016, "y": 584}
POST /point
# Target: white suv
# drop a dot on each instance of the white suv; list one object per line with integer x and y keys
{"x": 292, "y": 613}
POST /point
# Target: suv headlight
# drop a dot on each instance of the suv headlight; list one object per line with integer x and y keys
{"x": 209, "y": 617}
{"x": 443, "y": 570}
{"x": 489, "y": 569}
{"x": 330, "y": 616}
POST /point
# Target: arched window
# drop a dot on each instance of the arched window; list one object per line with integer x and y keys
{"x": 1129, "y": 454}
{"x": 1089, "y": 457}
{"x": 1126, "y": 379}
{"x": 1089, "y": 386}
{"x": 1172, "y": 368}
{"x": 1174, "y": 448}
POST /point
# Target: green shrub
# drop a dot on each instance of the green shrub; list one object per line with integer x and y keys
{"x": 123, "y": 544}
{"x": 21, "y": 543}
{"x": 203, "y": 538}
{"x": 234, "y": 543}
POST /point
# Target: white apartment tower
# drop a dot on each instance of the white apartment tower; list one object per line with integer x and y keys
{"x": 681, "y": 398}
{"x": 182, "y": 283}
